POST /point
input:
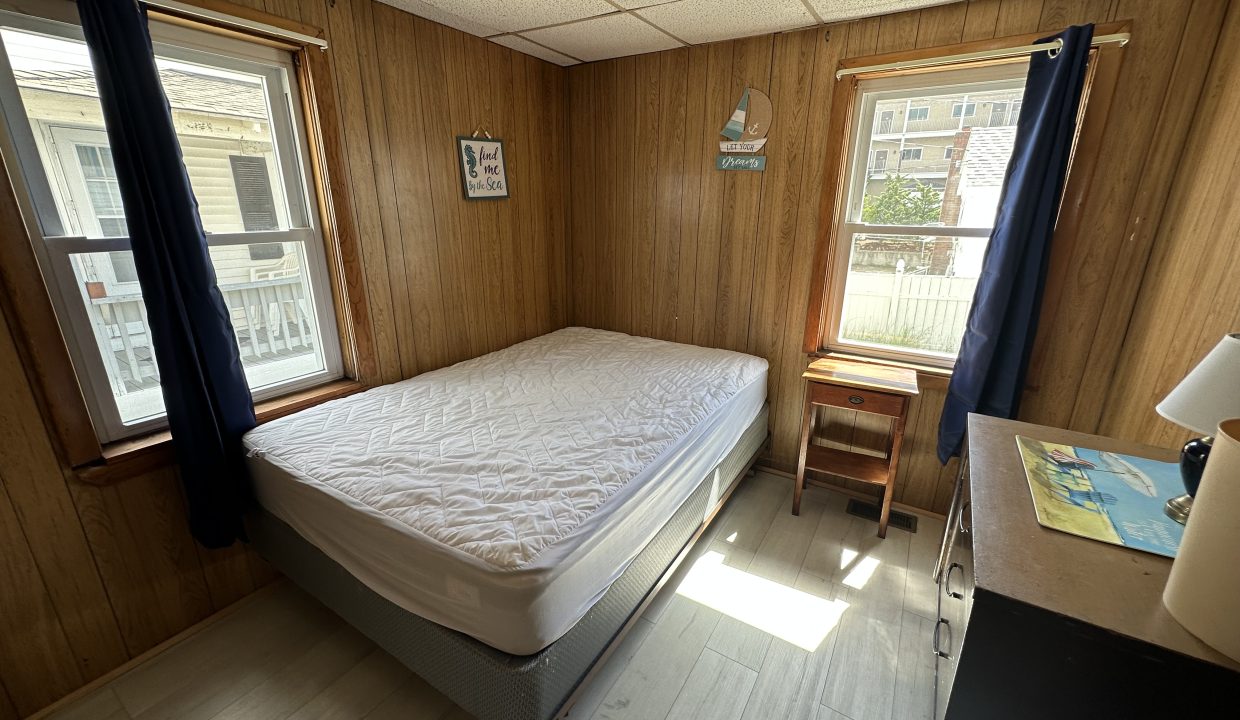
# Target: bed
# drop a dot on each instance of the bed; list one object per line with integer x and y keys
{"x": 497, "y": 524}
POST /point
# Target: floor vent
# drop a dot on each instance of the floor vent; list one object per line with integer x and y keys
{"x": 867, "y": 511}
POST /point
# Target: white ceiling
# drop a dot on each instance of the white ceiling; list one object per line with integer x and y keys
{"x": 567, "y": 32}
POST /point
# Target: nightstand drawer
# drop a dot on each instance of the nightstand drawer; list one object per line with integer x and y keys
{"x": 855, "y": 399}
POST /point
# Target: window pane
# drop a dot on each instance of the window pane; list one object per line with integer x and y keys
{"x": 945, "y": 152}
{"x": 269, "y": 301}
{"x": 218, "y": 114}
{"x": 910, "y": 292}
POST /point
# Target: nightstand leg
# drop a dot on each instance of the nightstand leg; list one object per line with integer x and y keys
{"x": 885, "y": 514}
{"x": 807, "y": 418}
{"x": 893, "y": 460}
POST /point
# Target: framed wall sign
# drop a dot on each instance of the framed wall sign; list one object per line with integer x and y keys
{"x": 745, "y": 133}
{"x": 483, "y": 176}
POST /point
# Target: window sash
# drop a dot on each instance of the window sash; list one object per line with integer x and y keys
{"x": 58, "y": 246}
{"x": 84, "y": 348}
{"x": 867, "y": 95}
{"x": 839, "y": 276}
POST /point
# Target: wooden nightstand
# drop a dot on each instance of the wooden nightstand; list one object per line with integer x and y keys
{"x": 863, "y": 387}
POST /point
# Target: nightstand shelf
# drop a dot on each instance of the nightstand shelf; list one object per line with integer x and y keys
{"x": 847, "y": 464}
{"x": 860, "y": 387}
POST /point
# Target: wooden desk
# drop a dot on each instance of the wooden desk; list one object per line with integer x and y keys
{"x": 1036, "y": 623}
{"x": 863, "y": 387}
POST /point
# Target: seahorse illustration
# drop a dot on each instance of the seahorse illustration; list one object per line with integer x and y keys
{"x": 471, "y": 161}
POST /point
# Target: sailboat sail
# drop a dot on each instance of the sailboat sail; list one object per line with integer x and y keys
{"x": 736, "y": 124}
{"x": 757, "y": 116}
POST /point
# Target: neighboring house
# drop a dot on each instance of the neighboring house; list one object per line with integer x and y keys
{"x": 915, "y": 137}
{"x": 223, "y": 126}
{"x": 973, "y": 190}
{"x": 957, "y": 145}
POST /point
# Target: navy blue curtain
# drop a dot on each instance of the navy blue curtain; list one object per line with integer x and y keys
{"x": 205, "y": 390}
{"x": 994, "y": 355}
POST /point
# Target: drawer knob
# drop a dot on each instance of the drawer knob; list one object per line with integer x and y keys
{"x": 856, "y": 399}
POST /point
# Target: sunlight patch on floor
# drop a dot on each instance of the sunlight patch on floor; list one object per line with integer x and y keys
{"x": 859, "y": 570}
{"x": 787, "y": 613}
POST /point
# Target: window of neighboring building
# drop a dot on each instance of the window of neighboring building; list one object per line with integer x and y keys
{"x": 962, "y": 109}
{"x": 885, "y": 121}
{"x": 238, "y": 118}
{"x": 910, "y": 246}
{"x": 880, "y": 160}
{"x": 998, "y": 113}
{"x": 919, "y": 113}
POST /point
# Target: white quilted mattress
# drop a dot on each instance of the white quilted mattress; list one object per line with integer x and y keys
{"x": 502, "y": 496}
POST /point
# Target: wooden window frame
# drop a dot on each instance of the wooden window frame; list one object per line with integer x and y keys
{"x": 44, "y": 352}
{"x": 1096, "y": 103}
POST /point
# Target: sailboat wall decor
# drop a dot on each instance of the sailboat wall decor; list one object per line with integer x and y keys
{"x": 746, "y": 133}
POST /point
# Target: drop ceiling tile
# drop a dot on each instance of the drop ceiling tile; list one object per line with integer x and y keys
{"x": 514, "y": 15}
{"x": 424, "y": 9}
{"x": 605, "y": 37}
{"x": 520, "y": 44}
{"x": 701, "y": 21}
{"x": 836, "y": 10}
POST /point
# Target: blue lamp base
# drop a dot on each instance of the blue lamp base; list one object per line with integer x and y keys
{"x": 1192, "y": 464}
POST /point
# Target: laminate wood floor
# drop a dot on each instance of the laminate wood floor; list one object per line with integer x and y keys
{"x": 773, "y": 617}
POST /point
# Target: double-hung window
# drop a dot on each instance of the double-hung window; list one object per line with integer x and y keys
{"x": 238, "y": 118}
{"x": 909, "y": 243}
{"x": 963, "y": 109}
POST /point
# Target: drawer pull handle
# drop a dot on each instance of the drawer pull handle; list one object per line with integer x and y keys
{"x": 947, "y": 582}
{"x": 856, "y": 399}
{"x": 935, "y": 640}
{"x": 960, "y": 524}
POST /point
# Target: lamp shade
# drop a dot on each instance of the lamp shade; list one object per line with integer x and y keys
{"x": 1210, "y": 393}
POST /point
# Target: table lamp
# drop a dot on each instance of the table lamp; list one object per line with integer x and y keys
{"x": 1205, "y": 397}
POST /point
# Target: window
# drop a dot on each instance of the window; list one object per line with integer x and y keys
{"x": 919, "y": 113}
{"x": 910, "y": 246}
{"x": 880, "y": 160}
{"x": 998, "y": 113}
{"x": 238, "y": 119}
{"x": 885, "y": 120}
{"x": 961, "y": 109}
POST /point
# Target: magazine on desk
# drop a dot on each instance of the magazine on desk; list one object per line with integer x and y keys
{"x": 1102, "y": 495}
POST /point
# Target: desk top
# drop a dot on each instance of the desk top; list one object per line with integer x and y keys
{"x": 864, "y": 376}
{"x": 1109, "y": 586}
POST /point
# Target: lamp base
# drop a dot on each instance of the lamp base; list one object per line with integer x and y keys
{"x": 1178, "y": 508}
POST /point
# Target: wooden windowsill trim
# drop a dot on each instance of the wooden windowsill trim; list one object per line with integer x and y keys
{"x": 134, "y": 456}
{"x": 928, "y": 375}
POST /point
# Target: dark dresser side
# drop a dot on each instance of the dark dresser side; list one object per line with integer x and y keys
{"x": 1051, "y": 625}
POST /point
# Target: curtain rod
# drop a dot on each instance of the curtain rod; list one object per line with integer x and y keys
{"x": 1121, "y": 38}
{"x": 233, "y": 21}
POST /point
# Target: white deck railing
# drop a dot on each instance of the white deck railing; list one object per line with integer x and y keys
{"x": 271, "y": 318}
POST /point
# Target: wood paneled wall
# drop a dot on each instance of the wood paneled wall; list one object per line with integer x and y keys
{"x": 664, "y": 245}
{"x": 1190, "y": 296}
{"x": 92, "y": 576}
{"x": 661, "y": 245}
